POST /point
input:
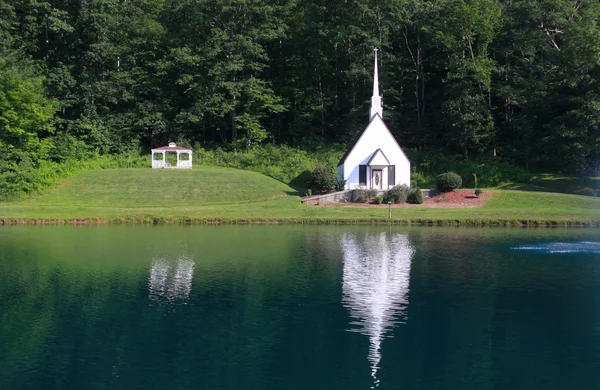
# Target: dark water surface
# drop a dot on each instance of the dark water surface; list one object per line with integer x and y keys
{"x": 272, "y": 307}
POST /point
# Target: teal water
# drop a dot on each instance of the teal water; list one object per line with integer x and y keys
{"x": 272, "y": 307}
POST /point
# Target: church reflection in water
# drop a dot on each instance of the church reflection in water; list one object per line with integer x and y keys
{"x": 375, "y": 286}
{"x": 171, "y": 280}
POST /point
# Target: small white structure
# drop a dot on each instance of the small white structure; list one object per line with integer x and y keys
{"x": 376, "y": 160}
{"x": 159, "y": 156}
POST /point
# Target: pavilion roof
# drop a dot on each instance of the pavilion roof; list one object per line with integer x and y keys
{"x": 171, "y": 146}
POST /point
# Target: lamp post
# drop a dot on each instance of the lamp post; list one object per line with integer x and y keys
{"x": 389, "y": 209}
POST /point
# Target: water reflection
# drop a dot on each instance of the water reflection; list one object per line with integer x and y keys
{"x": 563, "y": 247}
{"x": 375, "y": 286}
{"x": 171, "y": 280}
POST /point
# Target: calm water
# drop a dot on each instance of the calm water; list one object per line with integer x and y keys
{"x": 271, "y": 307}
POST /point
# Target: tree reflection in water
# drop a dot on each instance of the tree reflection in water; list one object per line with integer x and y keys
{"x": 375, "y": 286}
{"x": 170, "y": 281}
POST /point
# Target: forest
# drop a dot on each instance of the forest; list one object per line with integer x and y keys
{"x": 516, "y": 81}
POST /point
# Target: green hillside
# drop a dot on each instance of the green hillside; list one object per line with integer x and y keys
{"x": 139, "y": 188}
{"x": 225, "y": 195}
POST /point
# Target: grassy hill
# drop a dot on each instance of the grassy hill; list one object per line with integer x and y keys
{"x": 548, "y": 182}
{"x": 117, "y": 188}
{"x": 205, "y": 195}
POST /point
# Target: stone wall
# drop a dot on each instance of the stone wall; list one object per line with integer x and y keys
{"x": 349, "y": 196}
{"x": 340, "y": 196}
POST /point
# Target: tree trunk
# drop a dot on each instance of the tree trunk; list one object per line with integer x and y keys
{"x": 233, "y": 127}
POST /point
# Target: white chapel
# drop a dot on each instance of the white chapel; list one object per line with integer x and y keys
{"x": 376, "y": 160}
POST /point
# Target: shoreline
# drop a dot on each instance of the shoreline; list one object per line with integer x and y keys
{"x": 155, "y": 220}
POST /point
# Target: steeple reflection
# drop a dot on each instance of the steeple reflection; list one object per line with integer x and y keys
{"x": 171, "y": 280}
{"x": 375, "y": 286}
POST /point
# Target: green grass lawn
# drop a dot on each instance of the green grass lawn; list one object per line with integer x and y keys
{"x": 209, "y": 194}
{"x": 125, "y": 188}
{"x": 548, "y": 182}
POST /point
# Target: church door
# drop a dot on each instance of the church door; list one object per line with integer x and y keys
{"x": 376, "y": 179}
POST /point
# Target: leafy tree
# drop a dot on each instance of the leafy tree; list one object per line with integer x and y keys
{"x": 516, "y": 79}
{"x": 463, "y": 32}
{"x": 25, "y": 113}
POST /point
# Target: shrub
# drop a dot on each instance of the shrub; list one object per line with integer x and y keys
{"x": 362, "y": 195}
{"x": 413, "y": 184}
{"x": 67, "y": 147}
{"x": 420, "y": 178}
{"x": 309, "y": 192}
{"x": 490, "y": 171}
{"x": 418, "y": 197}
{"x": 388, "y": 199}
{"x": 448, "y": 181}
{"x": 341, "y": 185}
{"x": 378, "y": 199}
{"x": 324, "y": 179}
{"x": 262, "y": 158}
{"x": 399, "y": 193}
{"x": 410, "y": 196}
{"x": 478, "y": 192}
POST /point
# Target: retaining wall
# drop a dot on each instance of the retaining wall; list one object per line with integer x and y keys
{"x": 349, "y": 196}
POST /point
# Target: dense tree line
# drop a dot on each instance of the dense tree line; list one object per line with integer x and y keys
{"x": 517, "y": 79}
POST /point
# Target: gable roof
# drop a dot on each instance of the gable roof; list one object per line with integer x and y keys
{"x": 375, "y": 154}
{"x": 350, "y": 149}
{"x": 174, "y": 148}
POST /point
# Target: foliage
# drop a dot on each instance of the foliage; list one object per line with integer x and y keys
{"x": 447, "y": 182}
{"x": 488, "y": 87}
{"x": 418, "y": 197}
{"x": 66, "y": 147}
{"x": 419, "y": 178}
{"x": 478, "y": 191}
{"x": 25, "y": 112}
{"x": 288, "y": 165}
{"x": 414, "y": 196}
{"x": 28, "y": 177}
{"x": 490, "y": 172}
{"x": 323, "y": 179}
{"x": 389, "y": 199}
{"x": 363, "y": 195}
{"x": 410, "y": 196}
{"x": 26, "y": 116}
{"x": 378, "y": 199}
{"x": 399, "y": 193}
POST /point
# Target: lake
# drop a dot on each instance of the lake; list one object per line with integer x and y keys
{"x": 298, "y": 307}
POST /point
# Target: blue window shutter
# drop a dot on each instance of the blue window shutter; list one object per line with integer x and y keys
{"x": 362, "y": 174}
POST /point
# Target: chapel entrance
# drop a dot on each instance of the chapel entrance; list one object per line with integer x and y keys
{"x": 376, "y": 179}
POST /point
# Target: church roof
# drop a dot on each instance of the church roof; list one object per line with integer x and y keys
{"x": 351, "y": 148}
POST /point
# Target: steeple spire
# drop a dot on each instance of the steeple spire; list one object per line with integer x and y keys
{"x": 376, "y": 101}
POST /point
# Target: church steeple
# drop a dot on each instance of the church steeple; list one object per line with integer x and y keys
{"x": 376, "y": 100}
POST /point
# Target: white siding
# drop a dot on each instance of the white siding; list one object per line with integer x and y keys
{"x": 376, "y": 136}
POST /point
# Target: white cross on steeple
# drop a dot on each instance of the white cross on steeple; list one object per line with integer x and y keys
{"x": 376, "y": 100}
